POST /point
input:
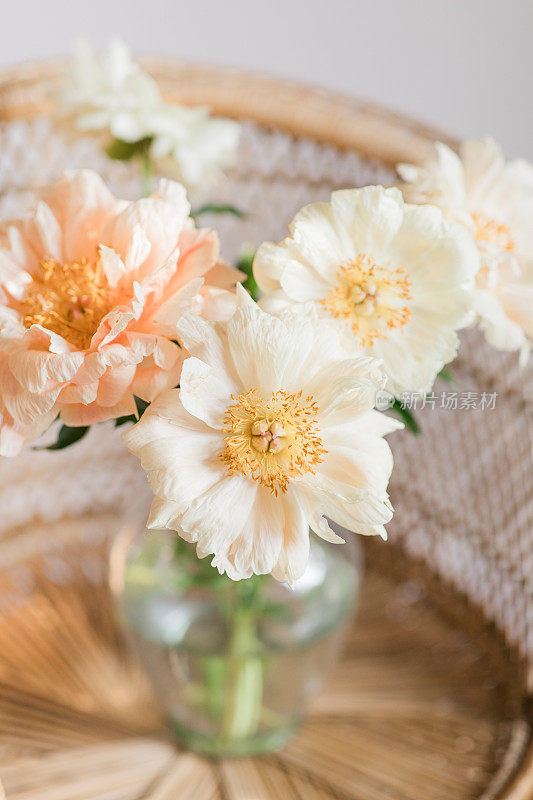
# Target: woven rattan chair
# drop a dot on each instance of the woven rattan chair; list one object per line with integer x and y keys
{"x": 432, "y": 699}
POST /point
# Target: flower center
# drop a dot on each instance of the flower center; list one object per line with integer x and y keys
{"x": 68, "y": 299}
{"x": 369, "y": 298}
{"x": 493, "y": 232}
{"x": 272, "y": 441}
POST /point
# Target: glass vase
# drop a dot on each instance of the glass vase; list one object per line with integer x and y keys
{"x": 234, "y": 664}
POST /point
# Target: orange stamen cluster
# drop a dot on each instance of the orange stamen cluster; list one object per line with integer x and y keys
{"x": 68, "y": 299}
{"x": 369, "y": 298}
{"x": 493, "y": 232}
{"x": 272, "y": 441}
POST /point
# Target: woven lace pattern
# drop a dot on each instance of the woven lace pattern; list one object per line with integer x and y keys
{"x": 463, "y": 490}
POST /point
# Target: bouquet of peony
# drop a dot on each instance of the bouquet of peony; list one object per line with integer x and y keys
{"x": 255, "y": 421}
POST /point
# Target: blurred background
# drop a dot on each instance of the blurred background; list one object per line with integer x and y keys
{"x": 465, "y": 66}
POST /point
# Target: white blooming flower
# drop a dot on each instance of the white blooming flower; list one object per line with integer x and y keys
{"x": 111, "y": 94}
{"x": 191, "y": 145}
{"x": 393, "y": 279}
{"x": 493, "y": 200}
{"x": 272, "y": 428}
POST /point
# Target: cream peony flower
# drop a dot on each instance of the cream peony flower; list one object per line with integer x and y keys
{"x": 193, "y": 146}
{"x": 272, "y": 428}
{"x": 493, "y": 200}
{"x": 392, "y": 278}
{"x": 90, "y": 290}
{"x": 112, "y": 94}
{"x": 108, "y": 92}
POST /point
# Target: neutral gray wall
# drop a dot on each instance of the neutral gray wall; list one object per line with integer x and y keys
{"x": 464, "y": 65}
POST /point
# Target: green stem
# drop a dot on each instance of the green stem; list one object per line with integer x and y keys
{"x": 233, "y": 680}
{"x": 244, "y": 690}
{"x": 147, "y": 172}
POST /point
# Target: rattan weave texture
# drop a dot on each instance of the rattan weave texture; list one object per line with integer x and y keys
{"x": 418, "y": 709}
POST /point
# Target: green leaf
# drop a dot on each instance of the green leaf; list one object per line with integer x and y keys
{"x": 66, "y": 437}
{"x": 124, "y": 420}
{"x": 120, "y": 150}
{"x": 246, "y": 265}
{"x": 215, "y": 208}
{"x": 406, "y": 417}
{"x": 446, "y": 375}
{"x": 141, "y": 405}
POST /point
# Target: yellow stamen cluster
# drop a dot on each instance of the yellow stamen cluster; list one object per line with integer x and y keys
{"x": 69, "y": 299}
{"x": 272, "y": 441}
{"x": 370, "y": 298}
{"x": 493, "y": 232}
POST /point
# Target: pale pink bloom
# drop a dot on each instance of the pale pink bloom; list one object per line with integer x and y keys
{"x": 91, "y": 288}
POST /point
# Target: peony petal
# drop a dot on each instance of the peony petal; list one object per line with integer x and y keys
{"x": 137, "y": 252}
{"x": 96, "y": 363}
{"x": 47, "y": 239}
{"x": 303, "y": 284}
{"x": 175, "y": 194}
{"x": 257, "y": 548}
{"x": 270, "y": 262}
{"x": 78, "y": 414}
{"x": 161, "y": 223}
{"x": 216, "y": 304}
{"x": 82, "y": 206}
{"x": 199, "y": 252}
{"x": 206, "y": 392}
{"x": 501, "y": 332}
{"x": 365, "y": 517}
{"x": 84, "y": 393}
{"x": 151, "y": 381}
{"x": 36, "y": 370}
{"x": 223, "y": 275}
{"x": 115, "y": 384}
{"x": 366, "y": 463}
{"x": 208, "y": 521}
{"x": 371, "y": 217}
{"x": 164, "y": 514}
{"x": 312, "y": 509}
{"x": 343, "y": 390}
{"x": 294, "y": 553}
{"x": 112, "y": 265}
{"x": 13, "y": 435}
{"x": 207, "y": 342}
{"x": 26, "y": 408}
{"x": 318, "y": 242}
{"x": 437, "y": 254}
{"x": 265, "y": 350}
{"x": 164, "y": 417}
{"x": 170, "y": 312}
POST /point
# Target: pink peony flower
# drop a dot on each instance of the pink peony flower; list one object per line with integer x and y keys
{"x": 91, "y": 288}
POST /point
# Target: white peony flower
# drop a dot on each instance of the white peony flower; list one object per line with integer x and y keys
{"x": 272, "y": 428}
{"x": 111, "y": 94}
{"x": 392, "y": 278}
{"x": 193, "y": 146}
{"x": 493, "y": 200}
